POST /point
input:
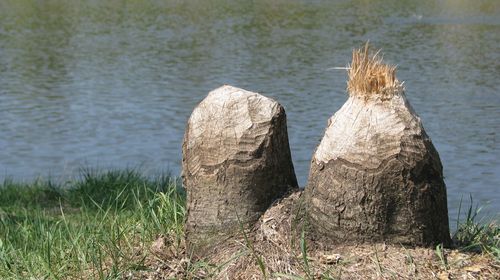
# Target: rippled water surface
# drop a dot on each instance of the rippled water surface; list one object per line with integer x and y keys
{"x": 111, "y": 84}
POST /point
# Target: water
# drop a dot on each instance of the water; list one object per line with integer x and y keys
{"x": 111, "y": 84}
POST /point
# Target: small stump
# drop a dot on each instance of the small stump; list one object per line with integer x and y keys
{"x": 376, "y": 175}
{"x": 236, "y": 162}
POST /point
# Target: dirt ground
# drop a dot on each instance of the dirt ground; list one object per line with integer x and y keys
{"x": 275, "y": 249}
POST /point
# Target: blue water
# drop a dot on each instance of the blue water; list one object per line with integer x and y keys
{"x": 110, "y": 84}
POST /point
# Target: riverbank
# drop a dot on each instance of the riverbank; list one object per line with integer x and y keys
{"x": 124, "y": 225}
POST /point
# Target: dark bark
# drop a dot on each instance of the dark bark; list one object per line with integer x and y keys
{"x": 400, "y": 197}
{"x": 233, "y": 174}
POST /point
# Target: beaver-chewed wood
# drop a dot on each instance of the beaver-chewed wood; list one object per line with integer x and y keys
{"x": 376, "y": 175}
{"x": 236, "y": 162}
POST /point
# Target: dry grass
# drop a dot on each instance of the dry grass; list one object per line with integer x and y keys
{"x": 277, "y": 246}
{"x": 369, "y": 75}
{"x": 122, "y": 225}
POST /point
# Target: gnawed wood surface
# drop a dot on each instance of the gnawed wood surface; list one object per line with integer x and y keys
{"x": 236, "y": 162}
{"x": 366, "y": 132}
{"x": 376, "y": 176}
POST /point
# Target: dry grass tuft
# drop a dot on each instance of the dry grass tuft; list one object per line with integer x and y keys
{"x": 369, "y": 75}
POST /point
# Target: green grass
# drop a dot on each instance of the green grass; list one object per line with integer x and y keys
{"x": 101, "y": 225}
{"x": 93, "y": 227}
{"x": 475, "y": 234}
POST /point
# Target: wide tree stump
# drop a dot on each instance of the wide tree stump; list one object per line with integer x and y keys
{"x": 236, "y": 162}
{"x": 376, "y": 175}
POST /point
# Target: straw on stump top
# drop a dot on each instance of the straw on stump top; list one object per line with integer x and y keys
{"x": 370, "y": 76}
{"x": 376, "y": 175}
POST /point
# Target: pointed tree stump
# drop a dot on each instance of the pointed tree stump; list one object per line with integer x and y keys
{"x": 236, "y": 162}
{"x": 376, "y": 175}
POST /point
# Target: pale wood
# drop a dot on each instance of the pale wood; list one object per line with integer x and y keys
{"x": 376, "y": 176}
{"x": 236, "y": 162}
{"x": 366, "y": 132}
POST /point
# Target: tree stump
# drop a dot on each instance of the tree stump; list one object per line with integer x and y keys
{"x": 376, "y": 175}
{"x": 236, "y": 162}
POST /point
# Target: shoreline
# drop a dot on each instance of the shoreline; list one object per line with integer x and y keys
{"x": 122, "y": 224}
